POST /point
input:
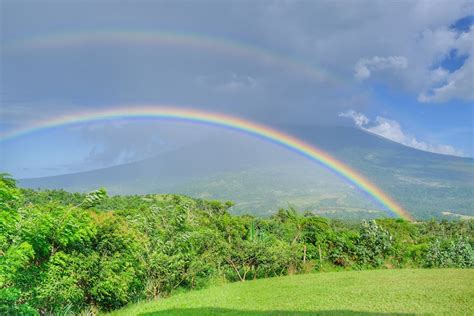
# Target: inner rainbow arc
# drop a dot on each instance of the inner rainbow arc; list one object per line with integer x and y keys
{"x": 223, "y": 120}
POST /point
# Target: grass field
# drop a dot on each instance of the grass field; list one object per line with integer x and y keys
{"x": 408, "y": 291}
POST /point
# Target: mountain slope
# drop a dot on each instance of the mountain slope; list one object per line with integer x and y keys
{"x": 263, "y": 177}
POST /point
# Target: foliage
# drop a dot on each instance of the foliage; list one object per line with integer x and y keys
{"x": 373, "y": 244}
{"x": 449, "y": 253}
{"x": 68, "y": 252}
{"x": 93, "y": 198}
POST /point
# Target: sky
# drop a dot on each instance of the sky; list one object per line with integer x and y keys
{"x": 401, "y": 69}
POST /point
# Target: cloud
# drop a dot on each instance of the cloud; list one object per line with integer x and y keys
{"x": 410, "y": 38}
{"x": 120, "y": 142}
{"x": 406, "y": 38}
{"x": 123, "y": 141}
{"x": 229, "y": 82}
{"x": 364, "y": 67}
{"x": 392, "y": 130}
{"x": 359, "y": 118}
{"x": 330, "y": 35}
{"x": 22, "y": 114}
{"x": 237, "y": 83}
{"x": 456, "y": 85}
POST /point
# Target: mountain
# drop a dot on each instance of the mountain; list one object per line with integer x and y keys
{"x": 262, "y": 177}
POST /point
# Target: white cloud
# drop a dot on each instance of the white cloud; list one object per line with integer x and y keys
{"x": 365, "y": 66}
{"x": 359, "y": 118}
{"x": 456, "y": 85}
{"x": 444, "y": 85}
{"x": 438, "y": 75}
{"x": 237, "y": 83}
{"x": 229, "y": 82}
{"x": 392, "y": 130}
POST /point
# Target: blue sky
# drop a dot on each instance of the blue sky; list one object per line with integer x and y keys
{"x": 403, "y": 70}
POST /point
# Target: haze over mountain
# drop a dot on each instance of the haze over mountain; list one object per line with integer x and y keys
{"x": 262, "y": 177}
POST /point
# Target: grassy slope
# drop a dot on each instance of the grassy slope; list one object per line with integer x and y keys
{"x": 379, "y": 291}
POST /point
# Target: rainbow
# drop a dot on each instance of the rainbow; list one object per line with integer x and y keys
{"x": 153, "y": 38}
{"x": 221, "y": 120}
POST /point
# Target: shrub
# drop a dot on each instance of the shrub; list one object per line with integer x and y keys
{"x": 449, "y": 253}
{"x": 373, "y": 245}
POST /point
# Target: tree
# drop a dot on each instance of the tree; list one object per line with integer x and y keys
{"x": 373, "y": 244}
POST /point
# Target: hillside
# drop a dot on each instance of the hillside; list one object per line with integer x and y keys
{"x": 348, "y": 293}
{"x": 261, "y": 178}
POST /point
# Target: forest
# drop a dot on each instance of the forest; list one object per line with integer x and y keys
{"x": 66, "y": 252}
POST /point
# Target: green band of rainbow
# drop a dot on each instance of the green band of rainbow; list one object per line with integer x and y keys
{"x": 229, "y": 122}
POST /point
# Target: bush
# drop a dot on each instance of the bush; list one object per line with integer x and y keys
{"x": 373, "y": 245}
{"x": 449, "y": 253}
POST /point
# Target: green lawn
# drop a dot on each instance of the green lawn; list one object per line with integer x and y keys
{"x": 408, "y": 291}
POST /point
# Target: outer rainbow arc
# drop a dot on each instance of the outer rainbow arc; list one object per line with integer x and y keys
{"x": 219, "y": 45}
{"x": 235, "y": 123}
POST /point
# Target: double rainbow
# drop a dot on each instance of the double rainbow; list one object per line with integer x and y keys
{"x": 234, "y": 123}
